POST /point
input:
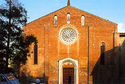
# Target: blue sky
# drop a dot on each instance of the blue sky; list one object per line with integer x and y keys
{"x": 113, "y": 10}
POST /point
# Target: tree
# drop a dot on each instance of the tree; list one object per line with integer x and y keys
{"x": 13, "y": 44}
{"x": 2, "y": 46}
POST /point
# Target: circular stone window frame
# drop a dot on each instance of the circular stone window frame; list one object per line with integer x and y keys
{"x": 72, "y": 42}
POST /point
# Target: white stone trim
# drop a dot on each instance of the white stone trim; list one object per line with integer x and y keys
{"x": 68, "y": 27}
{"x": 75, "y": 62}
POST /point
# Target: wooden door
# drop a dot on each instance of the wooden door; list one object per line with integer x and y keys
{"x": 68, "y": 75}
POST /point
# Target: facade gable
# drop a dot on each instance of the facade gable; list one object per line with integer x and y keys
{"x": 74, "y": 11}
{"x": 74, "y": 43}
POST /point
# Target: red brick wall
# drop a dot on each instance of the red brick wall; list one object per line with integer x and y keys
{"x": 51, "y": 49}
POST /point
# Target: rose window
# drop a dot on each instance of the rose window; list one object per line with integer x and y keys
{"x": 68, "y": 35}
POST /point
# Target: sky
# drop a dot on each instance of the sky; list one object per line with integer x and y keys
{"x": 112, "y": 10}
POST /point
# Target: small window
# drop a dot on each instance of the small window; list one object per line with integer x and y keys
{"x": 55, "y": 20}
{"x": 102, "y": 58}
{"x": 68, "y": 18}
{"x": 82, "y": 20}
{"x": 35, "y": 53}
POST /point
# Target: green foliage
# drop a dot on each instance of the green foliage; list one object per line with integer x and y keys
{"x": 13, "y": 44}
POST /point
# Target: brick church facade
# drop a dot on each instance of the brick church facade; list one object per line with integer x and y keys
{"x": 73, "y": 47}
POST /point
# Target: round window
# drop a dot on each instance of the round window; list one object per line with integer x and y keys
{"x": 68, "y": 35}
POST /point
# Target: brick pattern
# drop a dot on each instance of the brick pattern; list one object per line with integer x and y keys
{"x": 51, "y": 49}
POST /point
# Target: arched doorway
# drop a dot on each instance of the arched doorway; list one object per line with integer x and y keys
{"x": 68, "y": 71}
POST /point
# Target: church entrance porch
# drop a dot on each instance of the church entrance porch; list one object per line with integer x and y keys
{"x": 68, "y": 75}
{"x": 68, "y": 71}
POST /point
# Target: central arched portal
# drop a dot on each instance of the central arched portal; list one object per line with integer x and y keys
{"x": 68, "y": 71}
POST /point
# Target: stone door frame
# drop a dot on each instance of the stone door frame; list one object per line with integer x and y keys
{"x": 73, "y": 61}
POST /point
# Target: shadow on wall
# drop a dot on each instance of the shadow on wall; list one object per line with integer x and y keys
{"x": 122, "y": 63}
{"x": 112, "y": 71}
{"x": 106, "y": 70}
{"x": 27, "y": 79}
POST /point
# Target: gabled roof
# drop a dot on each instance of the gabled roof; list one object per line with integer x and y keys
{"x": 74, "y": 8}
{"x": 94, "y": 15}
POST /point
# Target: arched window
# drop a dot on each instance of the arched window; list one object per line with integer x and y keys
{"x": 68, "y": 18}
{"x": 102, "y": 58}
{"x": 35, "y": 53}
{"x": 82, "y": 20}
{"x": 55, "y": 20}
